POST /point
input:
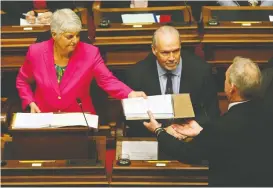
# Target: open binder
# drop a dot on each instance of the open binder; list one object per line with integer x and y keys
{"x": 51, "y": 120}
{"x": 162, "y": 106}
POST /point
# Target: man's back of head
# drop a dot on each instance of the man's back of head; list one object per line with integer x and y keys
{"x": 243, "y": 80}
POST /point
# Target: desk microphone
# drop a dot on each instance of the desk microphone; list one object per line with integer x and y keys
{"x": 88, "y": 128}
{"x": 92, "y": 144}
{"x": 80, "y": 104}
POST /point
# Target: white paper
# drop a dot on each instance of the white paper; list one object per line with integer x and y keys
{"x": 271, "y": 18}
{"x": 71, "y": 119}
{"x": 44, "y": 120}
{"x": 140, "y": 150}
{"x": 138, "y": 18}
{"x": 32, "y": 120}
{"x": 160, "y": 105}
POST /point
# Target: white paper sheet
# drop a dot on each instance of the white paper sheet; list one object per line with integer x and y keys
{"x": 32, "y": 120}
{"x": 71, "y": 119}
{"x": 43, "y": 120}
{"x": 160, "y": 105}
{"x": 138, "y": 18}
{"x": 140, "y": 150}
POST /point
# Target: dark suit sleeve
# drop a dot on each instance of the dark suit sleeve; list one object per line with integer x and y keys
{"x": 215, "y": 136}
{"x": 195, "y": 150}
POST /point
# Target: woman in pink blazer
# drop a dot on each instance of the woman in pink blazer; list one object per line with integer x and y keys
{"x": 62, "y": 69}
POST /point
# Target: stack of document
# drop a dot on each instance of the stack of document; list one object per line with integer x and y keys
{"x": 175, "y": 106}
{"x": 46, "y": 120}
{"x": 160, "y": 105}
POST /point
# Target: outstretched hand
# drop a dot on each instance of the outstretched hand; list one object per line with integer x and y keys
{"x": 191, "y": 129}
{"x": 133, "y": 94}
{"x": 170, "y": 130}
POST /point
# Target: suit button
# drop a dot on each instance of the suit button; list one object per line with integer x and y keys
{"x": 59, "y": 97}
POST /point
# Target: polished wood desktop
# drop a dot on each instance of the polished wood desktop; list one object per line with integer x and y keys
{"x": 155, "y": 172}
{"x": 244, "y": 35}
{"x": 146, "y": 173}
{"x": 50, "y": 171}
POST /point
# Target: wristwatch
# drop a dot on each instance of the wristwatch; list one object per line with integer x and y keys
{"x": 158, "y": 130}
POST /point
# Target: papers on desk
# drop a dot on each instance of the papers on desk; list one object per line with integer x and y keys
{"x": 138, "y": 18}
{"x": 140, "y": 150}
{"x": 46, "y": 120}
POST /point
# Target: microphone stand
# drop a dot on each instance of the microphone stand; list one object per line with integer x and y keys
{"x": 91, "y": 145}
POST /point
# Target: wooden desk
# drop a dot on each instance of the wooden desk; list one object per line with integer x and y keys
{"x": 56, "y": 173}
{"x": 15, "y": 41}
{"x": 147, "y": 173}
{"x": 143, "y": 173}
{"x": 230, "y": 38}
{"x": 53, "y": 172}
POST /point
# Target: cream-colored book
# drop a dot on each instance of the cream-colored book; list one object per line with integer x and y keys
{"x": 47, "y": 120}
{"x": 162, "y": 106}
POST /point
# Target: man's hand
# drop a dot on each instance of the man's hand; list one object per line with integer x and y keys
{"x": 153, "y": 124}
{"x": 191, "y": 129}
{"x": 175, "y": 134}
{"x": 34, "y": 108}
{"x": 137, "y": 94}
{"x": 30, "y": 17}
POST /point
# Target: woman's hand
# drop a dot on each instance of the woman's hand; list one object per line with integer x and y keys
{"x": 30, "y": 17}
{"x": 34, "y": 108}
{"x": 137, "y": 94}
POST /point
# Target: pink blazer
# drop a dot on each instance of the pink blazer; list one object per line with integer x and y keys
{"x": 84, "y": 65}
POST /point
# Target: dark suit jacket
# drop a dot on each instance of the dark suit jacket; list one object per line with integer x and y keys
{"x": 196, "y": 79}
{"x": 238, "y": 146}
{"x": 267, "y": 88}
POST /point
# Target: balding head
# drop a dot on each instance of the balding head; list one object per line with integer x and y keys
{"x": 165, "y": 31}
{"x": 245, "y": 75}
{"x": 166, "y": 47}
